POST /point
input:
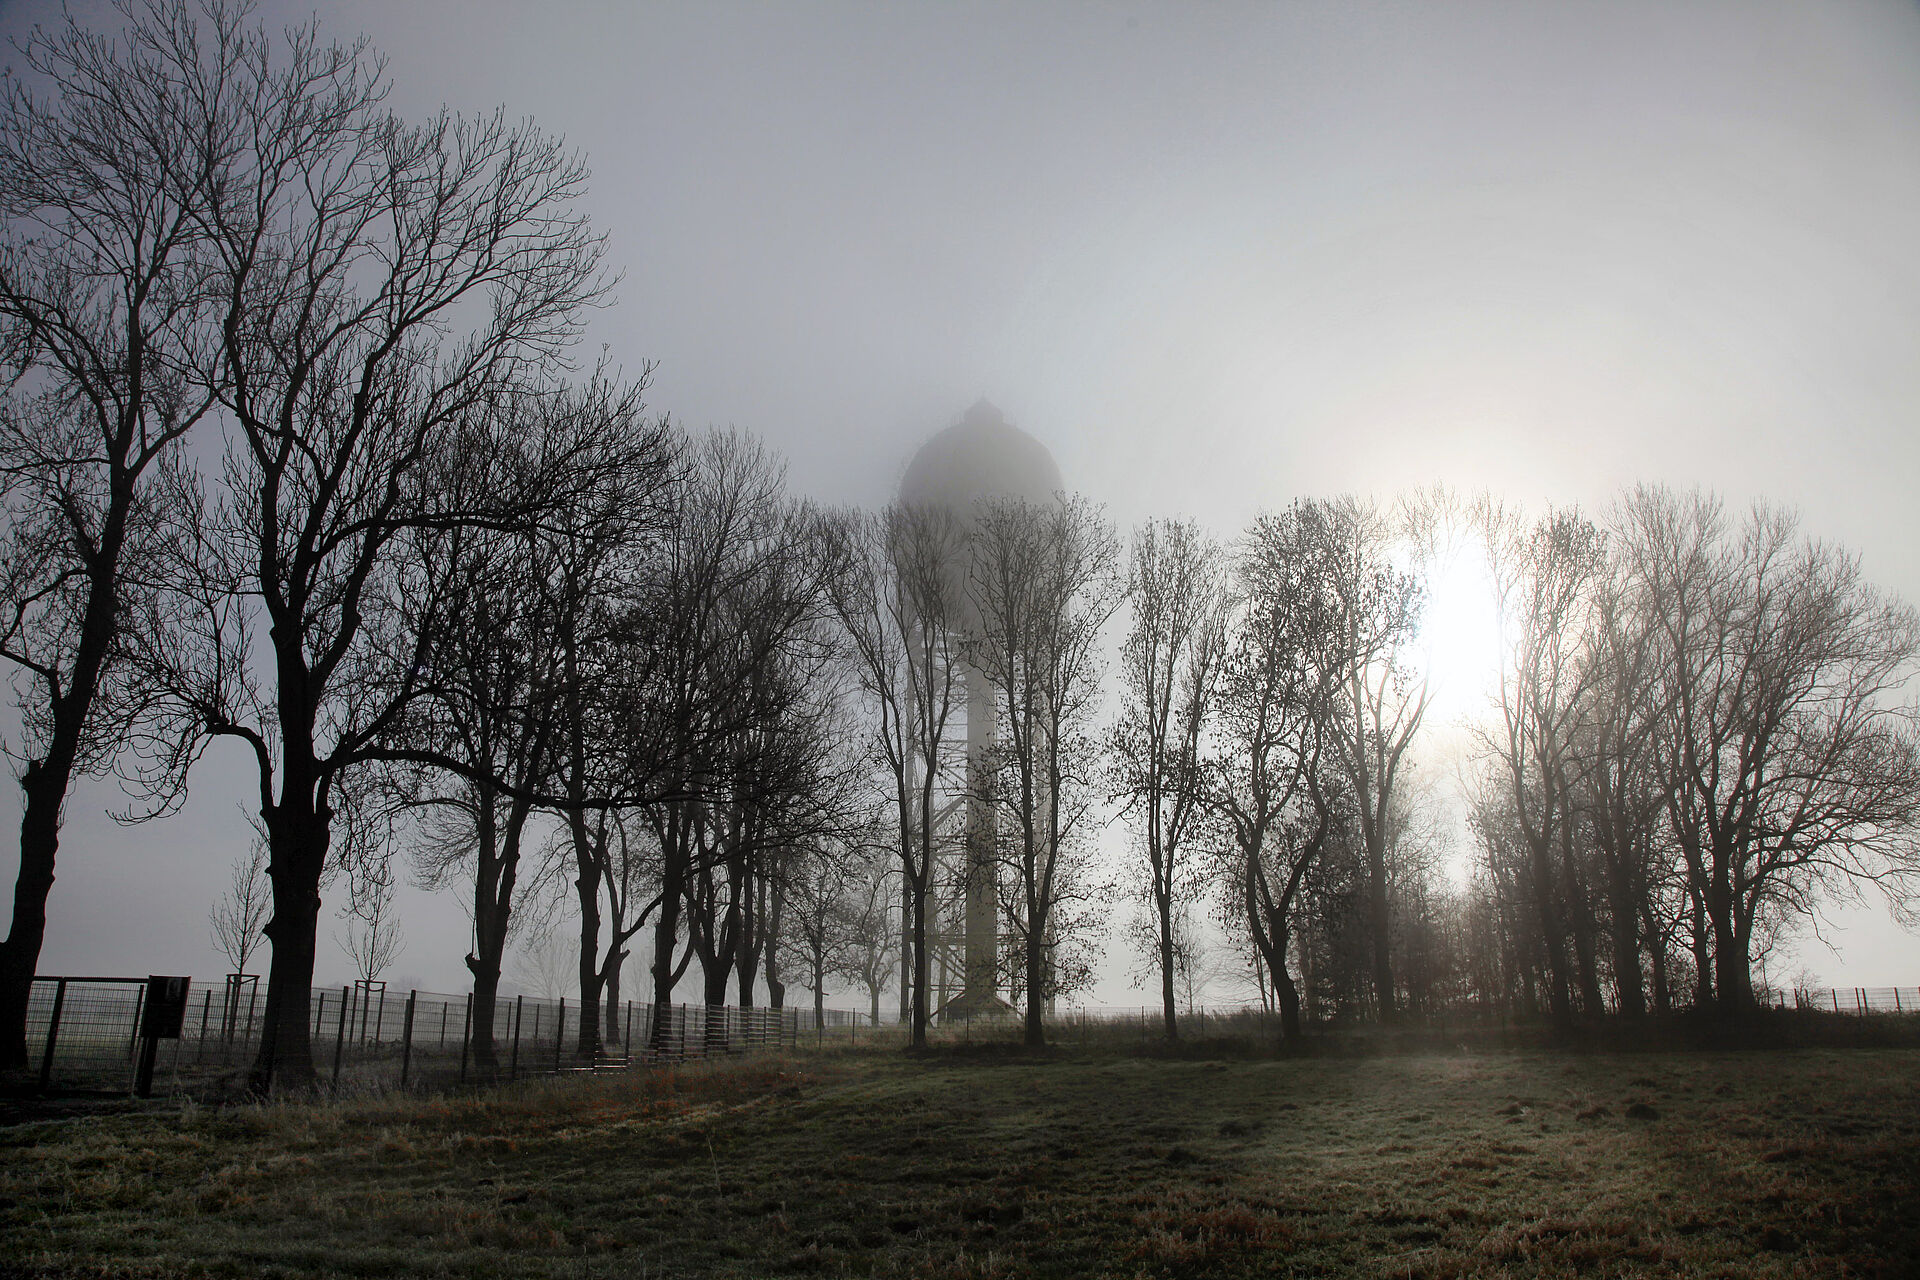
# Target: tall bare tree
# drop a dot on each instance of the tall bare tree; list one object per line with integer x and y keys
{"x": 736, "y": 595}
{"x": 490, "y": 609}
{"x": 1380, "y": 701}
{"x": 1271, "y": 779}
{"x": 900, "y": 596}
{"x": 1169, "y": 666}
{"x": 1544, "y": 573}
{"x": 1044, "y": 579}
{"x": 1792, "y": 768}
{"x": 105, "y": 321}
{"x": 349, "y": 247}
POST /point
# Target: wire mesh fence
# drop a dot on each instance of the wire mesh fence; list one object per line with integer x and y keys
{"x": 1858, "y": 1000}
{"x": 83, "y": 1033}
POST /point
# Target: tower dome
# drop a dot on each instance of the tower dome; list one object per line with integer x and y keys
{"x": 981, "y": 456}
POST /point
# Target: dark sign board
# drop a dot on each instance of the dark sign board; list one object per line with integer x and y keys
{"x": 166, "y": 1008}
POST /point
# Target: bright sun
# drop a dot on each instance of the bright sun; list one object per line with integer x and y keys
{"x": 1459, "y": 644}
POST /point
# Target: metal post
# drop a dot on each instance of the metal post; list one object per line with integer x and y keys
{"x": 380, "y": 1015}
{"x": 406, "y": 1039}
{"x": 139, "y": 1006}
{"x": 560, "y": 1035}
{"x": 1835, "y": 993}
{"x": 340, "y": 1034}
{"x": 143, "y": 1069}
{"x": 443, "y": 1024}
{"x": 626, "y": 1035}
{"x": 519, "y": 1015}
{"x": 206, "y": 1006}
{"x": 53, "y": 1033}
{"x": 466, "y": 1039}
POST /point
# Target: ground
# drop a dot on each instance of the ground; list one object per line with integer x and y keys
{"x": 985, "y": 1162}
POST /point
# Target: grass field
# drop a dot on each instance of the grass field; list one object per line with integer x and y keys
{"x": 988, "y": 1163}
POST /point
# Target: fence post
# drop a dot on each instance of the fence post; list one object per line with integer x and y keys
{"x": 406, "y": 1039}
{"x": 206, "y": 1005}
{"x": 340, "y": 1035}
{"x": 133, "y": 1037}
{"x": 519, "y": 1015}
{"x": 466, "y": 1038}
{"x": 53, "y": 1033}
{"x": 626, "y": 1035}
{"x": 559, "y": 1035}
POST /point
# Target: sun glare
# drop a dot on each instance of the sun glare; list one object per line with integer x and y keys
{"x": 1459, "y": 645}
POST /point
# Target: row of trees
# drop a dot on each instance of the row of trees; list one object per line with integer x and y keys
{"x": 1702, "y": 728}
{"x": 293, "y": 459}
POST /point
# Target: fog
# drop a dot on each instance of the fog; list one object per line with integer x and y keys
{"x": 1215, "y": 259}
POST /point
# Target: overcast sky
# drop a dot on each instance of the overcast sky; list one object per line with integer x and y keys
{"x": 1215, "y": 258}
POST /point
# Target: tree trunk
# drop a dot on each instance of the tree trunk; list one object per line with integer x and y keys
{"x": 1702, "y": 955}
{"x": 1732, "y": 972}
{"x": 666, "y": 934}
{"x": 1552, "y": 937}
{"x": 297, "y": 843}
{"x": 1625, "y": 907}
{"x": 44, "y": 784}
{"x": 1657, "y": 961}
{"x": 1163, "y": 904}
{"x": 1587, "y": 964}
{"x": 921, "y": 974}
{"x": 1379, "y": 922}
{"x": 492, "y": 905}
{"x": 1287, "y": 995}
{"x": 1036, "y": 1028}
{"x": 588, "y": 892}
{"x": 610, "y": 997}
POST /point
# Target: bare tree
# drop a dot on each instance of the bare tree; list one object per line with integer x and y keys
{"x": 1272, "y": 779}
{"x": 1169, "y": 666}
{"x": 1545, "y": 573}
{"x": 104, "y": 324}
{"x": 730, "y": 634}
{"x": 238, "y": 914}
{"x": 1791, "y": 769}
{"x": 347, "y": 245}
{"x": 1044, "y": 580}
{"x": 1378, "y": 705}
{"x": 900, "y": 597}
{"x": 872, "y": 937}
{"x": 1622, "y": 792}
{"x": 374, "y": 938}
{"x": 491, "y": 609}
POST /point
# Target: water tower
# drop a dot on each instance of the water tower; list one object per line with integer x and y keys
{"x": 981, "y": 456}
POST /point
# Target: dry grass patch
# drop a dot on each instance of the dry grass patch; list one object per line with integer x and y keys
{"x": 1749, "y": 1164}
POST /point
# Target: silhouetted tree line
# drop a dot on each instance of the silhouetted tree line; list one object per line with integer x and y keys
{"x": 294, "y": 458}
